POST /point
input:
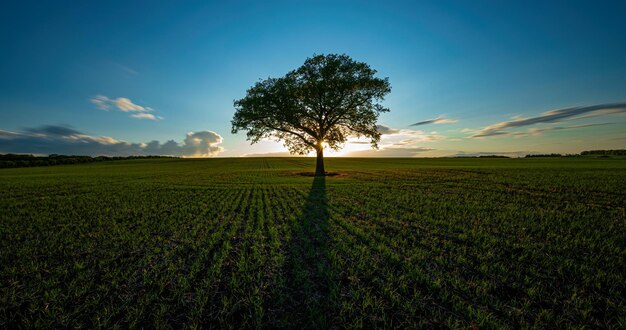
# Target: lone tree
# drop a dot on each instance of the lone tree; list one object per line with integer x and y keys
{"x": 326, "y": 100}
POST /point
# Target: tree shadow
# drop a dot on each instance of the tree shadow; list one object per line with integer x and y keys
{"x": 306, "y": 296}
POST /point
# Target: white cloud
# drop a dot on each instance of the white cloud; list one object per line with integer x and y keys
{"x": 144, "y": 115}
{"x": 125, "y": 105}
{"x": 202, "y": 144}
{"x": 393, "y": 135}
{"x": 101, "y": 101}
{"x": 65, "y": 140}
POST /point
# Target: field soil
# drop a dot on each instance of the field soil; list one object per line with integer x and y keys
{"x": 252, "y": 242}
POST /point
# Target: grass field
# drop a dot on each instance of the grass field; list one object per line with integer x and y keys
{"x": 233, "y": 243}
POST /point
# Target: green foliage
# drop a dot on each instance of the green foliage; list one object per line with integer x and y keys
{"x": 243, "y": 243}
{"x": 327, "y": 99}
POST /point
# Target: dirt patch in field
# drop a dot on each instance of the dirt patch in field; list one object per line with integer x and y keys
{"x": 328, "y": 174}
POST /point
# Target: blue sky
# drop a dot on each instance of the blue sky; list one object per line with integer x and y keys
{"x": 163, "y": 70}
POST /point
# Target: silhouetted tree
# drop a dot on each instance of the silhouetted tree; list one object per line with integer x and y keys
{"x": 326, "y": 100}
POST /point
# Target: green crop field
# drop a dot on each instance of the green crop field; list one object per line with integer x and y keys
{"x": 251, "y": 242}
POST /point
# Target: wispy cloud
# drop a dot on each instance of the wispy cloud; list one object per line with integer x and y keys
{"x": 438, "y": 120}
{"x": 66, "y": 140}
{"x": 101, "y": 101}
{"x": 394, "y": 134}
{"x": 395, "y": 142}
{"x": 127, "y": 70}
{"x": 125, "y": 105}
{"x": 553, "y": 116}
{"x": 143, "y": 115}
{"x": 537, "y": 131}
{"x": 387, "y": 130}
{"x": 389, "y": 152}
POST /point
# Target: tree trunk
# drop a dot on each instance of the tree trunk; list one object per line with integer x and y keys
{"x": 319, "y": 165}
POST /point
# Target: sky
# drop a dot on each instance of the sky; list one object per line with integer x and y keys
{"x": 159, "y": 77}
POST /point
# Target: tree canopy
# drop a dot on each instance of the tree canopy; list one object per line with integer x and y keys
{"x": 323, "y": 102}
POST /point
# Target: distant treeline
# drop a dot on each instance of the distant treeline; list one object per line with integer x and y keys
{"x": 600, "y": 153}
{"x": 551, "y": 155}
{"x": 13, "y": 160}
{"x": 620, "y": 152}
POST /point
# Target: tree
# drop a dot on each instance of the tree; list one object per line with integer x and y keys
{"x": 322, "y": 103}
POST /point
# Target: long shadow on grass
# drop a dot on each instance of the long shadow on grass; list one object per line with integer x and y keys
{"x": 304, "y": 299}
